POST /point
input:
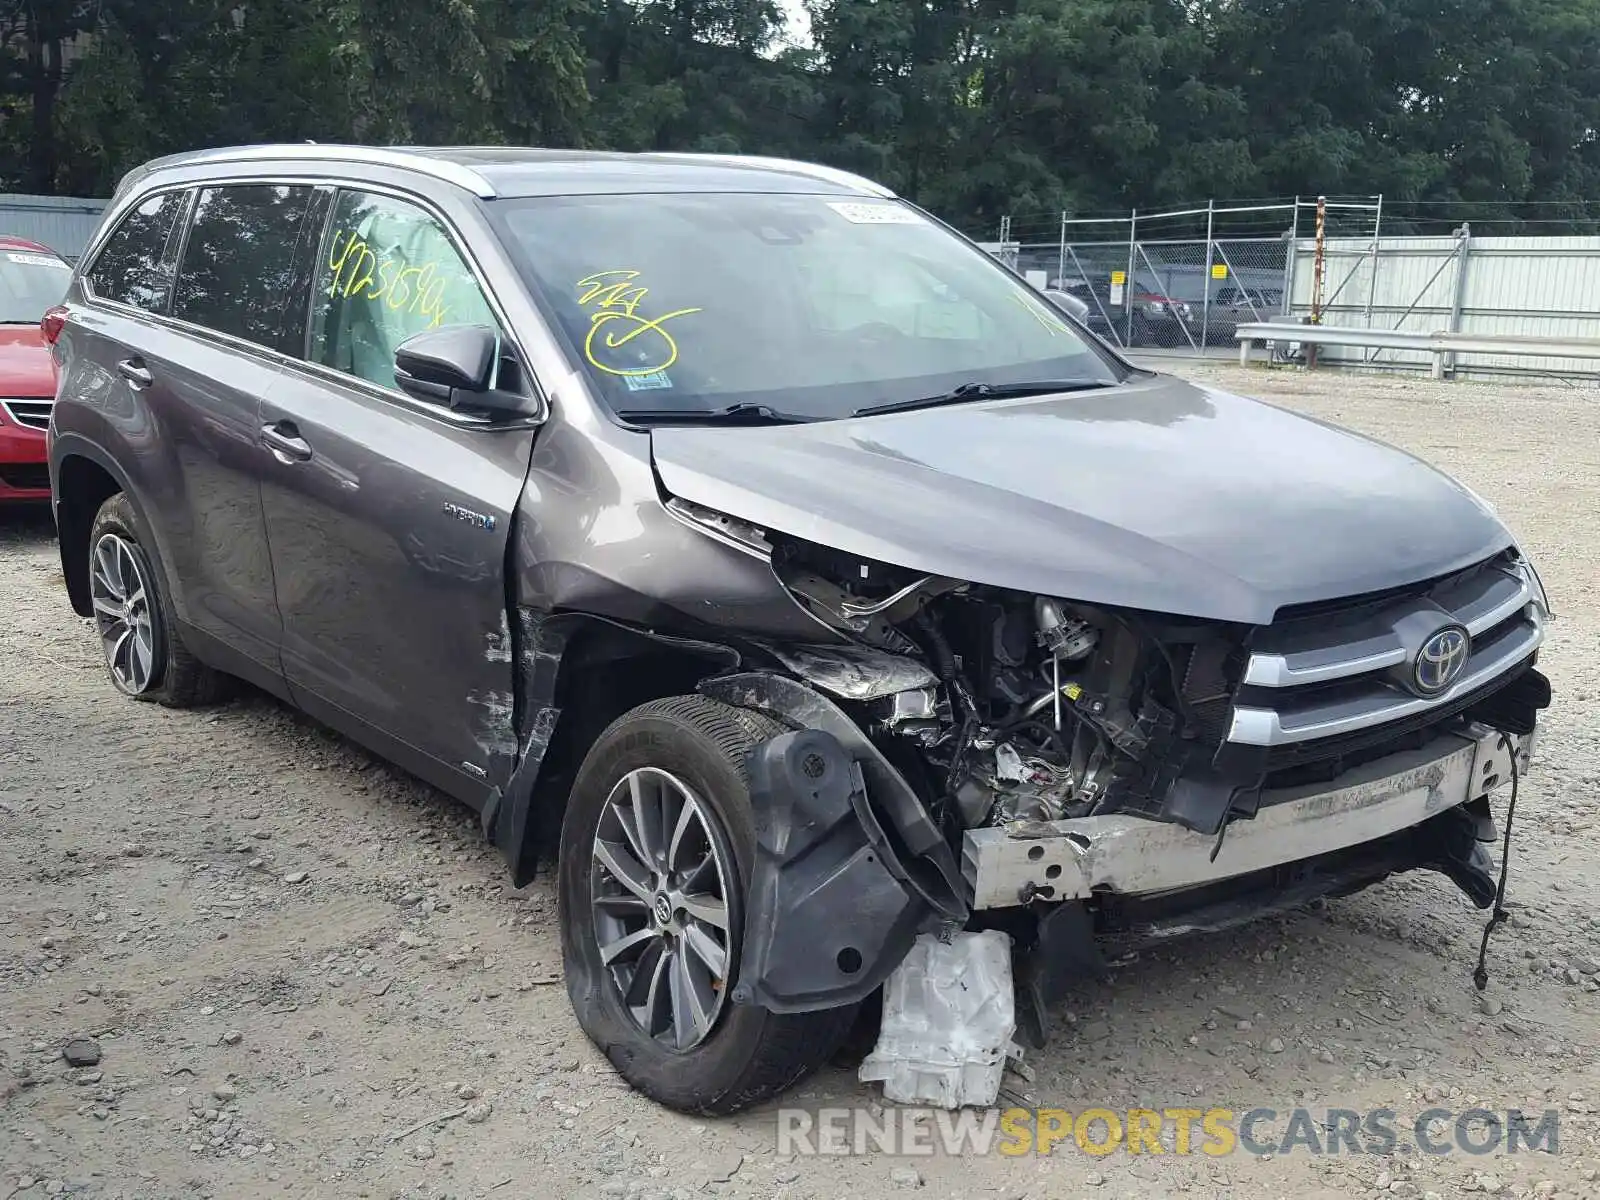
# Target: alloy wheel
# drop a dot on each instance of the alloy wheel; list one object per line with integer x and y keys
{"x": 121, "y": 594}
{"x": 660, "y": 892}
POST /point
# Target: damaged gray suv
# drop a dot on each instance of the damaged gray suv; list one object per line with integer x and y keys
{"x": 790, "y": 572}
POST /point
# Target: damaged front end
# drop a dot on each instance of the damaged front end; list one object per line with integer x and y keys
{"x": 968, "y": 756}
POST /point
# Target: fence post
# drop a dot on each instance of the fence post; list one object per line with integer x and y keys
{"x": 1377, "y": 242}
{"x": 1319, "y": 263}
{"x": 1288, "y": 263}
{"x": 1127, "y": 280}
{"x": 1463, "y": 254}
{"x": 1061, "y": 259}
{"x": 1372, "y": 281}
{"x": 1205, "y": 312}
{"x": 1319, "y": 266}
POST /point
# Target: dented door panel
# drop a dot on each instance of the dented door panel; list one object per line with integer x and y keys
{"x": 389, "y": 549}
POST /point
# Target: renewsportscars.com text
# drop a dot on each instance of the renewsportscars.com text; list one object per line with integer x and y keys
{"x": 1214, "y": 1132}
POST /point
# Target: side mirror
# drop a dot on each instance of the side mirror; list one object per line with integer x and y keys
{"x": 454, "y": 366}
{"x": 1069, "y": 304}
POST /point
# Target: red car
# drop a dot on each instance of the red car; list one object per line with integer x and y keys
{"x": 33, "y": 278}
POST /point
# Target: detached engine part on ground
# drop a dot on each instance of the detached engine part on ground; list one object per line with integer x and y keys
{"x": 949, "y": 1015}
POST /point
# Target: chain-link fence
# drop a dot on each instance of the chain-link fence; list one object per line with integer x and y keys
{"x": 1184, "y": 281}
{"x": 1181, "y": 280}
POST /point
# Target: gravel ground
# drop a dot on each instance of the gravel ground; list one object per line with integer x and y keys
{"x": 300, "y": 972}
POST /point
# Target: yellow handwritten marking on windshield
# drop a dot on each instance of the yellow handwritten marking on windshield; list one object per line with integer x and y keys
{"x": 358, "y": 271}
{"x": 1053, "y": 323}
{"x": 614, "y": 302}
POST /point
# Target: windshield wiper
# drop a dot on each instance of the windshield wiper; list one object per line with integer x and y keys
{"x": 734, "y": 414}
{"x": 987, "y": 391}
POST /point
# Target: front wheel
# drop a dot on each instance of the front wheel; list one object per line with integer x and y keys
{"x": 656, "y": 852}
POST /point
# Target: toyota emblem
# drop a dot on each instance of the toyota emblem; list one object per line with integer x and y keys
{"x": 1441, "y": 660}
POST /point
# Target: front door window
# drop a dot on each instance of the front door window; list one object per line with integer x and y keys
{"x": 388, "y": 271}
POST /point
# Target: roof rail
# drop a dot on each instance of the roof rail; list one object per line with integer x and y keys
{"x": 793, "y": 166}
{"x": 382, "y": 156}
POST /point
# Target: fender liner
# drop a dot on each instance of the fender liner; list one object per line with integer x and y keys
{"x": 831, "y": 911}
{"x": 849, "y": 865}
{"x": 922, "y": 850}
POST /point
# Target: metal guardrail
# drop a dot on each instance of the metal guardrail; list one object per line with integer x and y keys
{"x": 1440, "y": 345}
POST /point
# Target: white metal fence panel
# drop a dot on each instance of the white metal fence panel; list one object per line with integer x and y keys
{"x": 1532, "y": 287}
{"x": 1520, "y": 286}
{"x": 64, "y": 223}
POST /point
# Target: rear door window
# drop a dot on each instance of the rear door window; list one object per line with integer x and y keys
{"x": 237, "y": 275}
{"x": 388, "y": 270}
{"x": 136, "y": 265}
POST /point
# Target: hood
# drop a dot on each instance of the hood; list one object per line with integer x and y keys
{"x": 27, "y": 370}
{"x": 1156, "y": 495}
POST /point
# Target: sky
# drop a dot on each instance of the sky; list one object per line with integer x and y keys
{"x": 798, "y": 29}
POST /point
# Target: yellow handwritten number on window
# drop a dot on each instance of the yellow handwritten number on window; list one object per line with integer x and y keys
{"x": 358, "y": 271}
{"x": 614, "y": 298}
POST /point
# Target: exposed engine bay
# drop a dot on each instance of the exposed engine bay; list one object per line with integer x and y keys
{"x": 1033, "y": 708}
{"x": 967, "y": 756}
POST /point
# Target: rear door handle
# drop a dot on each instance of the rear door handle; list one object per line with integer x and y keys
{"x": 135, "y": 372}
{"x": 285, "y": 442}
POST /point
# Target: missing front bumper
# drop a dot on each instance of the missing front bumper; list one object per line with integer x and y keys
{"x": 1128, "y": 855}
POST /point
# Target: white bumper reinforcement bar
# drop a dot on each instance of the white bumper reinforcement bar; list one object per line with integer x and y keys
{"x": 1129, "y": 855}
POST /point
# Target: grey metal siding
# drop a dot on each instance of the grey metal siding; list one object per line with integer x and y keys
{"x": 64, "y": 223}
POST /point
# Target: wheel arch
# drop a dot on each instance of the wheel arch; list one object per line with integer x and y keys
{"x": 85, "y": 478}
{"x": 575, "y": 674}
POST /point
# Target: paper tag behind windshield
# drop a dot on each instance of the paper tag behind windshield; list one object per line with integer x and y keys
{"x": 875, "y": 214}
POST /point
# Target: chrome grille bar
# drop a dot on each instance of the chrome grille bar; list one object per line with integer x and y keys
{"x": 1313, "y": 679}
{"x": 1383, "y": 703}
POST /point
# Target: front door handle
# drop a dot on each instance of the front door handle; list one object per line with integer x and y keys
{"x": 135, "y": 372}
{"x": 285, "y": 442}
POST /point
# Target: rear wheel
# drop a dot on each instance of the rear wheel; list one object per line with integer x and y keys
{"x": 144, "y": 655}
{"x": 656, "y": 851}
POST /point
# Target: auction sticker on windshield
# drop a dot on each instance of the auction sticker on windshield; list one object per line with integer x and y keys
{"x": 875, "y": 214}
{"x": 647, "y": 383}
{"x": 38, "y": 260}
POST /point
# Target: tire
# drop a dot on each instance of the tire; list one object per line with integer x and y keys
{"x": 749, "y": 1054}
{"x": 172, "y": 676}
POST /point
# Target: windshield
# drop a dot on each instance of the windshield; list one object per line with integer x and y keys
{"x": 30, "y": 282}
{"x": 814, "y": 305}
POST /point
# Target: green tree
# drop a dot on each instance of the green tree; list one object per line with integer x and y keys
{"x": 469, "y": 71}
{"x": 159, "y": 76}
{"x": 34, "y": 40}
{"x": 973, "y": 108}
{"x": 979, "y": 107}
{"x": 694, "y": 75}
